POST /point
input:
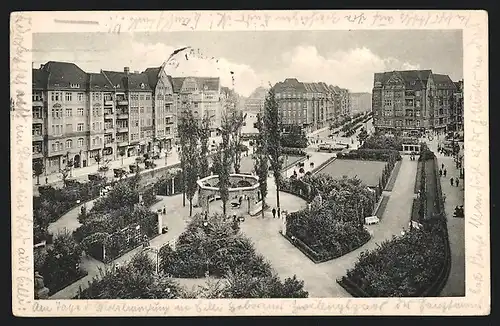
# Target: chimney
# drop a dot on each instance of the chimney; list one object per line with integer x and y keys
{"x": 126, "y": 70}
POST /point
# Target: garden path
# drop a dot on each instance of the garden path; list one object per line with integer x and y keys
{"x": 176, "y": 219}
{"x": 455, "y": 285}
{"x": 69, "y": 221}
{"x": 320, "y": 279}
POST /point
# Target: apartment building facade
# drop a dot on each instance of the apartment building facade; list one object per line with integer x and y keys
{"x": 457, "y": 108}
{"x": 411, "y": 101}
{"x": 87, "y": 118}
{"x": 201, "y": 95}
{"x": 255, "y": 102}
{"x": 360, "y": 102}
{"x": 310, "y": 105}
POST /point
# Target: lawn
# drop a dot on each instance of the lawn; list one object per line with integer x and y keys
{"x": 368, "y": 171}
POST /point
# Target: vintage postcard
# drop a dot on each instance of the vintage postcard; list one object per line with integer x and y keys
{"x": 204, "y": 163}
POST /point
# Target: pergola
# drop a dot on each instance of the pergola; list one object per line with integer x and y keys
{"x": 240, "y": 185}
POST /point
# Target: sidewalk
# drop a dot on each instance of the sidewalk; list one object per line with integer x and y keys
{"x": 81, "y": 174}
{"x": 176, "y": 219}
{"x": 455, "y": 285}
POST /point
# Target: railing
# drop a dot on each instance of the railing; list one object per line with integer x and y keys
{"x": 108, "y": 102}
{"x": 122, "y": 129}
{"x": 122, "y": 115}
{"x": 122, "y": 102}
{"x": 122, "y": 143}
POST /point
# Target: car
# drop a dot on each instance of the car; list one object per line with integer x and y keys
{"x": 325, "y": 147}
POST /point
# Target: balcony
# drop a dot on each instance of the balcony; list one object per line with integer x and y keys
{"x": 109, "y": 129}
{"x": 122, "y": 143}
{"x": 108, "y": 115}
{"x": 122, "y": 102}
{"x": 37, "y": 103}
{"x": 108, "y": 102}
{"x": 121, "y": 129}
{"x": 37, "y": 138}
{"x": 122, "y": 115}
{"x": 37, "y": 120}
{"x": 37, "y": 155}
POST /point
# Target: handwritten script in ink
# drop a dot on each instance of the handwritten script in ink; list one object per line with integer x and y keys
{"x": 476, "y": 138}
{"x": 21, "y": 111}
{"x": 168, "y": 21}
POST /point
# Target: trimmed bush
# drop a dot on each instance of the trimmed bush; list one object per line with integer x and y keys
{"x": 293, "y": 151}
{"x": 371, "y": 155}
{"x": 404, "y": 267}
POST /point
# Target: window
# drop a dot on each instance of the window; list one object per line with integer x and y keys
{"x": 148, "y": 97}
{"x": 68, "y": 97}
{"x": 55, "y": 96}
{"x": 56, "y": 113}
{"x": 74, "y": 85}
{"x": 387, "y": 102}
{"x": 93, "y": 126}
{"x": 79, "y": 112}
{"x": 80, "y": 142}
{"x": 37, "y": 148}
{"x": 37, "y": 130}
{"x": 69, "y": 127}
{"x": 69, "y": 143}
{"x": 79, "y": 126}
{"x": 37, "y": 113}
{"x": 417, "y": 104}
{"x": 69, "y": 112}
{"x": 417, "y": 123}
{"x": 80, "y": 97}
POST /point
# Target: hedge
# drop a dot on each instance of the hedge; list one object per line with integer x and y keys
{"x": 218, "y": 247}
{"x": 371, "y": 155}
{"x": 293, "y": 151}
{"x": 414, "y": 265}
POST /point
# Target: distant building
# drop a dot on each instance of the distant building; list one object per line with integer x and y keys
{"x": 411, "y": 101}
{"x": 457, "y": 108}
{"x": 360, "y": 102}
{"x": 255, "y": 102}
{"x": 202, "y": 95}
{"x": 310, "y": 105}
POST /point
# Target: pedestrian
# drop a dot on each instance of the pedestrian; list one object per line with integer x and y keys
{"x": 46, "y": 180}
{"x": 274, "y": 212}
{"x": 442, "y": 166}
{"x": 440, "y": 172}
{"x": 278, "y": 212}
{"x": 457, "y": 181}
{"x": 444, "y": 173}
{"x": 164, "y": 210}
{"x": 451, "y": 181}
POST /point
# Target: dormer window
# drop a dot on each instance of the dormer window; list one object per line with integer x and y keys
{"x": 142, "y": 85}
{"x": 74, "y": 85}
{"x": 117, "y": 86}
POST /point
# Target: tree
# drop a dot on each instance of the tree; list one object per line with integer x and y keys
{"x": 38, "y": 169}
{"x": 204, "y": 136}
{"x": 295, "y": 138}
{"x": 273, "y": 129}
{"x": 226, "y": 159}
{"x": 261, "y": 163}
{"x": 236, "y": 124}
{"x": 189, "y": 132}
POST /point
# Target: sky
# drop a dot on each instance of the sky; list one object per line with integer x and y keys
{"x": 347, "y": 59}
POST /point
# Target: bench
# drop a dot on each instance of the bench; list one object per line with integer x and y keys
{"x": 371, "y": 220}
